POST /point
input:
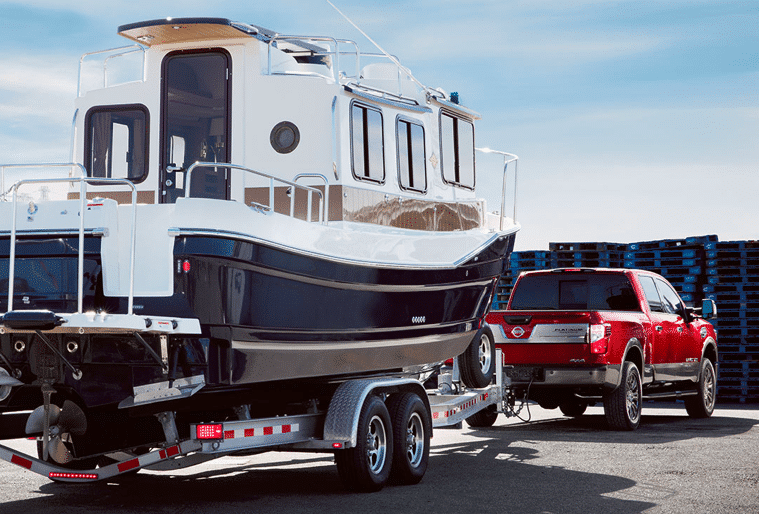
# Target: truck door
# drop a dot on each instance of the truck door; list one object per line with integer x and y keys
{"x": 680, "y": 333}
{"x": 195, "y": 123}
{"x": 659, "y": 349}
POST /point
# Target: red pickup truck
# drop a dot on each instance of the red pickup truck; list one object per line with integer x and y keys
{"x": 572, "y": 337}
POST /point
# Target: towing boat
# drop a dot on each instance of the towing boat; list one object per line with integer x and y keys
{"x": 247, "y": 216}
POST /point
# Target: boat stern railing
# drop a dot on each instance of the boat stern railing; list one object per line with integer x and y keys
{"x": 83, "y": 181}
{"x": 273, "y": 181}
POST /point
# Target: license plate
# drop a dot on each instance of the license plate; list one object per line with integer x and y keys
{"x": 522, "y": 374}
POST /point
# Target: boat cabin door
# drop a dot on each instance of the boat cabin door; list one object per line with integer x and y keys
{"x": 195, "y": 108}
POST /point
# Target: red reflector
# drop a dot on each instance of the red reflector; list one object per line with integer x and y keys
{"x": 229, "y": 434}
{"x": 214, "y": 431}
{"x": 337, "y": 446}
{"x": 174, "y": 450}
{"x": 268, "y": 430}
{"x": 130, "y": 464}
{"x": 286, "y": 429}
{"x": 186, "y": 266}
{"x": 249, "y": 432}
{"x": 24, "y": 463}
{"x": 82, "y": 476}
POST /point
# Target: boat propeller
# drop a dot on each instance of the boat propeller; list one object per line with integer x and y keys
{"x": 57, "y": 424}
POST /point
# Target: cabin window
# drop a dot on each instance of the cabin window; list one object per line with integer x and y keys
{"x": 367, "y": 143}
{"x": 412, "y": 173}
{"x": 457, "y": 150}
{"x": 116, "y": 142}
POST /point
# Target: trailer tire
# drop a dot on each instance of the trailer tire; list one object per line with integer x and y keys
{"x": 366, "y": 467}
{"x": 622, "y": 405}
{"x": 484, "y": 418}
{"x": 412, "y": 428}
{"x": 478, "y": 360}
{"x": 702, "y": 404}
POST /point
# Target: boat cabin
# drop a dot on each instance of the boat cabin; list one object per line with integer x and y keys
{"x": 260, "y": 111}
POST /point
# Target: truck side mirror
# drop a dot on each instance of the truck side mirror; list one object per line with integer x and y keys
{"x": 708, "y": 309}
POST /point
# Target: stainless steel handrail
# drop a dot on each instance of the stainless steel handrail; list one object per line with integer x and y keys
{"x": 272, "y": 179}
{"x": 326, "y": 191}
{"x": 83, "y": 181}
{"x": 114, "y": 52}
{"x": 507, "y": 158}
{"x": 335, "y": 68}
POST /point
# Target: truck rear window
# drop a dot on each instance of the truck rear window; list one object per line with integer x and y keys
{"x": 562, "y": 291}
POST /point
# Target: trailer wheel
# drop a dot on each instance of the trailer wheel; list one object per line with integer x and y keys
{"x": 412, "y": 428}
{"x": 622, "y": 406}
{"x": 478, "y": 360}
{"x": 484, "y": 418}
{"x": 702, "y": 404}
{"x": 366, "y": 467}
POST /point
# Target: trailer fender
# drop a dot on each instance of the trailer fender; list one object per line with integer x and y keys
{"x": 341, "y": 424}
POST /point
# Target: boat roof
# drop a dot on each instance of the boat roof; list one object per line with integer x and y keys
{"x": 185, "y": 30}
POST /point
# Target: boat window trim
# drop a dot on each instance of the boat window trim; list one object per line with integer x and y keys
{"x": 399, "y": 120}
{"x": 456, "y": 179}
{"x": 366, "y": 143}
{"x": 116, "y": 108}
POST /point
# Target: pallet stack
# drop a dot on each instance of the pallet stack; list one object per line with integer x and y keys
{"x": 698, "y": 267}
{"x": 680, "y": 261}
{"x": 732, "y": 281}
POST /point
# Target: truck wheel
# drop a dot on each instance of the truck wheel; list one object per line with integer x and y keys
{"x": 478, "y": 360}
{"x": 573, "y": 408}
{"x": 366, "y": 467}
{"x": 622, "y": 406}
{"x": 484, "y": 418}
{"x": 702, "y": 404}
{"x": 412, "y": 428}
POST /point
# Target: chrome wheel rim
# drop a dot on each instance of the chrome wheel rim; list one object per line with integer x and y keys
{"x": 414, "y": 440}
{"x": 376, "y": 445}
{"x": 710, "y": 386}
{"x": 632, "y": 399}
{"x": 485, "y": 354}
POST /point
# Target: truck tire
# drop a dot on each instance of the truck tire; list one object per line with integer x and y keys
{"x": 478, "y": 360}
{"x": 412, "y": 428}
{"x": 573, "y": 408}
{"x": 484, "y": 418}
{"x": 702, "y": 404}
{"x": 366, "y": 467}
{"x": 622, "y": 406}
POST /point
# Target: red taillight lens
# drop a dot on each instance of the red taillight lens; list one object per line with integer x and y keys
{"x": 599, "y": 338}
{"x": 210, "y": 431}
{"x": 186, "y": 266}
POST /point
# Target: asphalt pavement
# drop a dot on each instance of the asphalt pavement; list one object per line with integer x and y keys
{"x": 553, "y": 464}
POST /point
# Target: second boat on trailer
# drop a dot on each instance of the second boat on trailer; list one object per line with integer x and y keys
{"x": 253, "y": 216}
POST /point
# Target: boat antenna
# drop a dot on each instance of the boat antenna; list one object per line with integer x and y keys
{"x": 392, "y": 58}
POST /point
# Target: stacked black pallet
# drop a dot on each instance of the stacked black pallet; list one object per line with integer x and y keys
{"x": 586, "y": 255}
{"x": 518, "y": 262}
{"x": 732, "y": 272}
{"x": 681, "y": 261}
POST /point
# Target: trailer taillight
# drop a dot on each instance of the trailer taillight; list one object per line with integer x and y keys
{"x": 78, "y": 476}
{"x": 210, "y": 431}
{"x": 599, "y": 338}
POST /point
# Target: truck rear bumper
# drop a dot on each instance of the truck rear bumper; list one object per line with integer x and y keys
{"x": 606, "y": 376}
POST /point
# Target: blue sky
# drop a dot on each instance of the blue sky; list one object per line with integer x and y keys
{"x": 634, "y": 120}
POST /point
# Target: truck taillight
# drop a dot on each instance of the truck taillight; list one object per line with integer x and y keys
{"x": 599, "y": 338}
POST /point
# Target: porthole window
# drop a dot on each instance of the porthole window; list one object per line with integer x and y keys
{"x": 284, "y": 137}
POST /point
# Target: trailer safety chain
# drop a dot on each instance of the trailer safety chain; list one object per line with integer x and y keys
{"x": 76, "y": 373}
